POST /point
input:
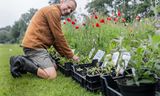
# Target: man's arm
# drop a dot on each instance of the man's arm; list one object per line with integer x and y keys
{"x": 60, "y": 44}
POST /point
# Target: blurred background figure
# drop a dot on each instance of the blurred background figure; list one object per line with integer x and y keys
{"x": 55, "y": 1}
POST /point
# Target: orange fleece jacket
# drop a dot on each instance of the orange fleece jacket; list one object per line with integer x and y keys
{"x": 45, "y": 30}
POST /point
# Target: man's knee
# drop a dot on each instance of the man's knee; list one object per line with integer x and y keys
{"x": 48, "y": 73}
{"x": 52, "y": 75}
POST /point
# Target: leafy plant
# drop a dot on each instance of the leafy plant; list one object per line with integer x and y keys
{"x": 106, "y": 69}
{"x": 144, "y": 63}
{"x": 97, "y": 71}
{"x": 54, "y": 54}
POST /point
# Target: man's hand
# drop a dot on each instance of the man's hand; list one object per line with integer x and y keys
{"x": 76, "y": 58}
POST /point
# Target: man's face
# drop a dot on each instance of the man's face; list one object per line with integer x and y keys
{"x": 67, "y": 8}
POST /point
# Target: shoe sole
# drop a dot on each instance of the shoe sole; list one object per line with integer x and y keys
{"x": 14, "y": 73}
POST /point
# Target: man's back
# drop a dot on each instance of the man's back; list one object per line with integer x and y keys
{"x": 39, "y": 34}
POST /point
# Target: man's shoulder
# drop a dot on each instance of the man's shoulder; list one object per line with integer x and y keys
{"x": 50, "y": 8}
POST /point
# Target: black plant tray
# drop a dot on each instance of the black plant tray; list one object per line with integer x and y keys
{"x": 93, "y": 78}
{"x": 93, "y": 89}
{"x": 93, "y": 82}
{"x": 65, "y": 69}
{"x": 158, "y": 85}
{"x": 80, "y": 76}
{"x": 56, "y": 59}
{"x": 90, "y": 82}
{"x": 110, "y": 87}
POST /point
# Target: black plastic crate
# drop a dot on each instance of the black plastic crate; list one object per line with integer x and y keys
{"x": 109, "y": 86}
{"x": 93, "y": 82}
{"x": 56, "y": 59}
{"x": 65, "y": 69}
{"x": 79, "y": 76}
{"x": 158, "y": 85}
{"x": 90, "y": 82}
{"x": 93, "y": 78}
{"x": 92, "y": 89}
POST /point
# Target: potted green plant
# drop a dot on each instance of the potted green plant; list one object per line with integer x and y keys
{"x": 143, "y": 78}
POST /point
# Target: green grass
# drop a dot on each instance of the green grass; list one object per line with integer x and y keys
{"x": 30, "y": 85}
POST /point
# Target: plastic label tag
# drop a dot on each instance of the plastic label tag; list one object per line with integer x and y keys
{"x": 125, "y": 57}
{"x": 115, "y": 57}
{"x": 99, "y": 55}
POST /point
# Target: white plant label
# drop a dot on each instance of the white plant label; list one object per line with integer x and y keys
{"x": 99, "y": 55}
{"x": 91, "y": 52}
{"x": 115, "y": 57}
{"x": 126, "y": 57}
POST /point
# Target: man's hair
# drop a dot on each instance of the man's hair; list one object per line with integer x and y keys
{"x": 72, "y": 1}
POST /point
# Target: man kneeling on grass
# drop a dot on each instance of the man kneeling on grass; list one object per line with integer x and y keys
{"x": 43, "y": 31}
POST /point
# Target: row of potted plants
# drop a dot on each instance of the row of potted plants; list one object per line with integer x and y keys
{"x": 136, "y": 49}
{"x": 144, "y": 66}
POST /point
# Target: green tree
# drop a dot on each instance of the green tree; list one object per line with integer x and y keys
{"x": 128, "y": 8}
{"x": 20, "y": 26}
{"x": 4, "y": 36}
{"x": 26, "y": 17}
{"x": 15, "y": 31}
{"x": 99, "y": 6}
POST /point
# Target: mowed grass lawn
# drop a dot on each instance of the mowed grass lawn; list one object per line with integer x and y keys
{"x": 30, "y": 85}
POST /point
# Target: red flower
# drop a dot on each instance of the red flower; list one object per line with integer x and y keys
{"x": 109, "y": 18}
{"x": 119, "y": 13}
{"x": 77, "y": 27}
{"x": 102, "y": 21}
{"x": 115, "y": 19}
{"x": 123, "y": 20}
{"x": 97, "y": 25}
{"x": 96, "y": 17}
{"x": 64, "y": 22}
{"x": 69, "y": 19}
{"x": 73, "y": 23}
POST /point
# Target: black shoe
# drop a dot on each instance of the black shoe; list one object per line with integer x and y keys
{"x": 19, "y": 60}
{"x": 28, "y": 65}
{"x": 22, "y": 64}
{"x": 14, "y": 66}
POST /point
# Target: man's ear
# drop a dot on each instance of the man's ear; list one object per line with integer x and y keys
{"x": 62, "y": 1}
